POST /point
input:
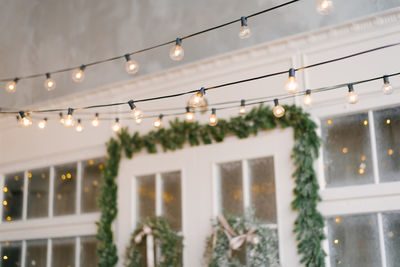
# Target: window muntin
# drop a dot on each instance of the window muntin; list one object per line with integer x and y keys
{"x": 91, "y": 182}
{"x": 36, "y": 253}
{"x": 38, "y": 193}
{"x": 13, "y": 189}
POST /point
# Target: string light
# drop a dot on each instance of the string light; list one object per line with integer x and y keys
{"x": 158, "y": 122}
{"x": 387, "y": 87}
{"x": 278, "y": 110}
{"x": 242, "y": 108}
{"x": 189, "y": 116}
{"x": 79, "y": 126}
{"x": 79, "y": 74}
{"x": 69, "y": 120}
{"x": 96, "y": 122}
{"x": 197, "y": 98}
{"x": 61, "y": 118}
{"x": 136, "y": 113}
{"x": 176, "y": 53}
{"x": 324, "y": 7}
{"x": 11, "y": 87}
{"x": 131, "y": 66}
{"x": 292, "y": 85}
{"x": 42, "y": 124}
{"x": 244, "y": 30}
{"x": 307, "y": 100}
{"x": 25, "y": 119}
{"x": 213, "y": 120}
{"x": 116, "y": 126}
{"x": 49, "y": 84}
{"x": 352, "y": 97}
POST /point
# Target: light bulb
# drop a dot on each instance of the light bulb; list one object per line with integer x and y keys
{"x": 176, "y": 53}
{"x": 25, "y": 119}
{"x": 96, "y": 122}
{"x": 49, "y": 84}
{"x": 352, "y": 97}
{"x": 79, "y": 74}
{"x": 213, "y": 120}
{"x": 61, "y": 118}
{"x": 244, "y": 30}
{"x": 197, "y": 98}
{"x": 189, "y": 116}
{"x": 278, "y": 111}
{"x": 131, "y": 66}
{"x": 79, "y": 126}
{"x": 136, "y": 113}
{"x": 292, "y": 85}
{"x": 11, "y": 87}
{"x": 42, "y": 124}
{"x": 116, "y": 126}
{"x": 387, "y": 87}
{"x": 158, "y": 122}
{"x": 324, "y": 7}
{"x": 69, "y": 120}
{"x": 242, "y": 108}
{"x": 307, "y": 100}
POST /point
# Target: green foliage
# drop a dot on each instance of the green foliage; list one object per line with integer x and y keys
{"x": 169, "y": 242}
{"x": 309, "y": 223}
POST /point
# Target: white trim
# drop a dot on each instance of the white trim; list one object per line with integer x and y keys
{"x": 51, "y": 192}
{"x": 79, "y": 174}
{"x": 246, "y": 185}
{"x": 381, "y": 240}
{"x": 134, "y": 201}
{"x": 2, "y": 182}
{"x": 23, "y": 253}
{"x": 159, "y": 190}
{"x": 374, "y": 151}
{"x": 49, "y": 252}
{"x": 216, "y": 190}
{"x": 25, "y": 197}
{"x": 78, "y": 251}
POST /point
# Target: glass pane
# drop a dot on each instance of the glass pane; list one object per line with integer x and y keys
{"x": 391, "y": 231}
{"x": 146, "y": 197}
{"x": 38, "y": 193}
{"x": 347, "y": 150}
{"x": 11, "y": 254}
{"x": 231, "y": 187}
{"x": 65, "y": 189}
{"x": 354, "y": 241}
{"x": 91, "y": 181}
{"x": 262, "y": 186}
{"x": 171, "y": 199}
{"x": 89, "y": 251}
{"x": 387, "y": 128}
{"x": 63, "y": 252}
{"x": 13, "y": 196}
{"x": 36, "y": 253}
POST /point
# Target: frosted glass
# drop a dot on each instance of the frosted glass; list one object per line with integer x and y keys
{"x": 231, "y": 187}
{"x": 65, "y": 189}
{"x": 347, "y": 150}
{"x": 354, "y": 241}
{"x": 387, "y": 128}
{"x": 38, "y": 193}
{"x": 91, "y": 181}
{"x": 36, "y": 253}
{"x": 171, "y": 199}
{"x": 11, "y": 254}
{"x": 63, "y": 252}
{"x": 13, "y": 196}
{"x": 391, "y": 231}
{"x": 89, "y": 256}
{"x": 262, "y": 186}
{"x": 146, "y": 196}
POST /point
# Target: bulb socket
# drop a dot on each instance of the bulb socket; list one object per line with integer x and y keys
{"x": 96, "y": 115}
{"x": 48, "y": 76}
{"x": 116, "y": 120}
{"x": 351, "y": 87}
{"x": 61, "y": 114}
{"x": 202, "y": 91}
{"x": 160, "y": 116}
{"x": 187, "y": 109}
{"x": 45, "y": 119}
{"x": 242, "y": 102}
{"x": 213, "y": 111}
{"x": 16, "y": 80}
{"x": 276, "y": 102}
{"x": 131, "y": 104}
{"x": 386, "y": 79}
{"x": 178, "y": 41}
{"x": 82, "y": 67}
{"x": 22, "y": 114}
{"x": 79, "y": 121}
{"x": 70, "y": 111}
{"x": 127, "y": 57}
{"x": 243, "y": 21}
{"x": 308, "y": 92}
{"x": 292, "y": 72}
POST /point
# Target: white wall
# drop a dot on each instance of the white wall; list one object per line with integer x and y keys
{"x": 32, "y": 148}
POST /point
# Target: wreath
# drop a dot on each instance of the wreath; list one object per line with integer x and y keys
{"x": 242, "y": 241}
{"x": 162, "y": 238}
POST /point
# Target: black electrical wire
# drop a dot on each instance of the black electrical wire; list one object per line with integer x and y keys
{"x": 151, "y": 47}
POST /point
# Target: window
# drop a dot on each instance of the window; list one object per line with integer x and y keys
{"x": 38, "y": 193}
{"x": 160, "y": 194}
{"x": 11, "y": 254}
{"x": 36, "y": 253}
{"x": 13, "y": 196}
{"x": 65, "y": 189}
{"x": 248, "y": 184}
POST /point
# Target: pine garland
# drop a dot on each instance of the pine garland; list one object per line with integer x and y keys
{"x": 309, "y": 223}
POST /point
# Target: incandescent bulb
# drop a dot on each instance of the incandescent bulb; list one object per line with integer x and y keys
{"x": 189, "y": 116}
{"x": 11, "y": 87}
{"x": 61, "y": 118}
{"x": 278, "y": 111}
{"x": 197, "y": 98}
{"x": 26, "y": 121}
{"x": 136, "y": 113}
{"x": 158, "y": 122}
{"x": 387, "y": 87}
{"x": 42, "y": 124}
{"x": 324, "y": 7}
{"x": 69, "y": 120}
{"x": 307, "y": 100}
{"x": 352, "y": 97}
{"x": 49, "y": 84}
{"x": 213, "y": 120}
{"x": 176, "y": 53}
{"x": 96, "y": 122}
{"x": 244, "y": 30}
{"x": 79, "y": 126}
{"x": 242, "y": 108}
{"x": 79, "y": 74}
{"x": 292, "y": 85}
{"x": 116, "y": 126}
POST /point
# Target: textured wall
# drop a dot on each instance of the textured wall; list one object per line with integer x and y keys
{"x": 43, "y": 35}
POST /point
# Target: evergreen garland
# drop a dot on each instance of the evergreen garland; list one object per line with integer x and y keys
{"x": 309, "y": 223}
{"x": 169, "y": 242}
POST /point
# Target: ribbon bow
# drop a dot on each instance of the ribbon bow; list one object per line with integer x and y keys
{"x": 147, "y": 231}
